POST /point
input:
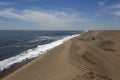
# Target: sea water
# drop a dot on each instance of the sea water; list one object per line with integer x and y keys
{"x": 17, "y": 45}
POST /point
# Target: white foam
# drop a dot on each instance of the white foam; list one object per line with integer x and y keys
{"x": 32, "y": 53}
{"x": 39, "y": 38}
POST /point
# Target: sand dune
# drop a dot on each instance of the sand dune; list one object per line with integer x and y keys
{"x": 94, "y": 55}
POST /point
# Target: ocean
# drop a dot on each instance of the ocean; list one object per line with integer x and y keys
{"x": 19, "y": 45}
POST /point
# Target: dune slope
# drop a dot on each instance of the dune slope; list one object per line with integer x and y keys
{"x": 94, "y": 55}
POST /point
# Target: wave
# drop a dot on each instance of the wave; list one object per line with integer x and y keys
{"x": 32, "y": 53}
{"x": 42, "y": 38}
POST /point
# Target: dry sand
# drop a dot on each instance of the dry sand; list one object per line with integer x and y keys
{"x": 94, "y": 55}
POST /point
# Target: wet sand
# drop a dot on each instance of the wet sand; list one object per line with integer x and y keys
{"x": 13, "y": 68}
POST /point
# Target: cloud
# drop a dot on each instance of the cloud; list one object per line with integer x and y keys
{"x": 6, "y": 3}
{"x": 113, "y": 9}
{"x": 102, "y": 3}
{"x": 44, "y": 18}
{"x": 115, "y": 6}
{"x": 116, "y": 13}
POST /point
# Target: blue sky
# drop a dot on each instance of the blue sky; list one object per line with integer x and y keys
{"x": 59, "y": 14}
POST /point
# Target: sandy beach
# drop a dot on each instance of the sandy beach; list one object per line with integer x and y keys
{"x": 95, "y": 55}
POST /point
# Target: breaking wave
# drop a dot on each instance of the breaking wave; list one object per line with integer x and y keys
{"x": 32, "y": 53}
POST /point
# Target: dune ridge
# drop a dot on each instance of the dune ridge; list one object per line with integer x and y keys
{"x": 95, "y": 55}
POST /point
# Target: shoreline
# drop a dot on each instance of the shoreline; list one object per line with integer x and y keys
{"x": 14, "y": 67}
{"x": 93, "y": 55}
{"x": 18, "y": 65}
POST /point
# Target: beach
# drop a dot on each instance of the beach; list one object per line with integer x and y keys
{"x": 94, "y": 55}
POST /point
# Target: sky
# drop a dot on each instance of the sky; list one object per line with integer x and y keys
{"x": 59, "y": 14}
